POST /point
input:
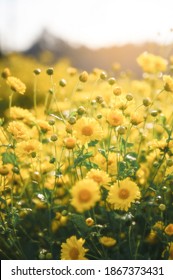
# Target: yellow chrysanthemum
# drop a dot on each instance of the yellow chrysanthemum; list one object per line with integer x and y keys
{"x": 73, "y": 249}
{"x": 108, "y": 165}
{"x": 123, "y": 193}
{"x": 28, "y": 148}
{"x": 115, "y": 118}
{"x": 151, "y": 63}
{"x": 99, "y": 176}
{"x": 87, "y": 129}
{"x": 44, "y": 127}
{"x": 168, "y": 83}
{"x": 169, "y": 229}
{"x": 85, "y": 194}
{"x": 16, "y": 84}
{"x": 107, "y": 241}
{"x": 18, "y": 113}
{"x": 18, "y": 130}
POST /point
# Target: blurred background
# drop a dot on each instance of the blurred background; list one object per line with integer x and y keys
{"x": 107, "y": 34}
{"x": 90, "y": 33}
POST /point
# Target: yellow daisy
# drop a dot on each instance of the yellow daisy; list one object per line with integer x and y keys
{"x": 87, "y": 129}
{"x": 107, "y": 241}
{"x": 122, "y": 194}
{"x": 115, "y": 117}
{"x": 18, "y": 130}
{"x": 16, "y": 85}
{"x": 169, "y": 229}
{"x": 28, "y": 148}
{"x": 85, "y": 194}
{"x": 168, "y": 83}
{"x": 73, "y": 249}
{"x": 18, "y": 113}
{"x": 99, "y": 176}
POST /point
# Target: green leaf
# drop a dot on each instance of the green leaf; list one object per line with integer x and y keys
{"x": 93, "y": 143}
{"x": 103, "y": 153}
{"x": 9, "y": 157}
{"x": 79, "y": 222}
{"x": 80, "y": 159}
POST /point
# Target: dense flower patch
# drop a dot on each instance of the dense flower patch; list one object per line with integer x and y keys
{"x": 87, "y": 172}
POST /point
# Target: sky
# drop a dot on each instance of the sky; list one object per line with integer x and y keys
{"x": 94, "y": 23}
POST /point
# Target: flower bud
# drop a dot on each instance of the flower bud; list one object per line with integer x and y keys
{"x": 111, "y": 81}
{"x": 83, "y": 77}
{"x": 54, "y": 138}
{"x": 72, "y": 120}
{"x": 49, "y": 71}
{"x": 117, "y": 91}
{"x": 129, "y": 97}
{"x": 103, "y": 75}
{"x": 99, "y": 99}
{"x": 89, "y": 222}
{"x": 62, "y": 83}
{"x": 81, "y": 110}
{"x": 146, "y": 101}
{"x": 5, "y": 73}
{"x": 37, "y": 71}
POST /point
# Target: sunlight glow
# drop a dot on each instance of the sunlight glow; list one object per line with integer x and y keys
{"x": 94, "y": 23}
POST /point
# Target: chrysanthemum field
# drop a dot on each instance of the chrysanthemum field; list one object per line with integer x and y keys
{"x": 86, "y": 162}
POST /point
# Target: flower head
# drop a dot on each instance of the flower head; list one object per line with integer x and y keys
{"x": 151, "y": 63}
{"x": 73, "y": 249}
{"x": 16, "y": 84}
{"x": 107, "y": 241}
{"x": 168, "y": 83}
{"x": 99, "y": 176}
{"x": 115, "y": 118}
{"x": 169, "y": 229}
{"x": 18, "y": 130}
{"x": 28, "y": 148}
{"x": 85, "y": 194}
{"x": 123, "y": 193}
{"x": 87, "y": 129}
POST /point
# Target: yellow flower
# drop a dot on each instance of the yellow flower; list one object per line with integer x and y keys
{"x": 123, "y": 193}
{"x": 18, "y": 130}
{"x": 169, "y": 249}
{"x": 99, "y": 176}
{"x": 108, "y": 165}
{"x": 85, "y": 194}
{"x": 28, "y": 148}
{"x": 89, "y": 222}
{"x": 44, "y": 126}
{"x": 107, "y": 241}
{"x": 87, "y": 129}
{"x": 18, "y": 113}
{"x": 73, "y": 249}
{"x": 169, "y": 229}
{"x": 16, "y": 84}
{"x": 70, "y": 142}
{"x": 115, "y": 118}
{"x": 151, "y": 63}
{"x": 136, "y": 118}
{"x": 168, "y": 83}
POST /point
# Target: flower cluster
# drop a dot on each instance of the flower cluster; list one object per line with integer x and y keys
{"x": 87, "y": 171}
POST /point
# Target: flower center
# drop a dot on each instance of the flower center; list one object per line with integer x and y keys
{"x": 87, "y": 130}
{"x": 84, "y": 196}
{"x": 29, "y": 148}
{"x": 74, "y": 253}
{"x": 97, "y": 178}
{"x": 123, "y": 194}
